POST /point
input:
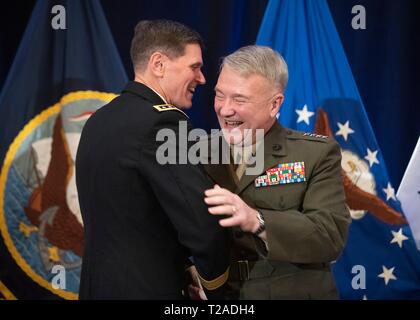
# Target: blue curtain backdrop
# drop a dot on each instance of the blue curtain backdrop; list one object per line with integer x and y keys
{"x": 383, "y": 58}
{"x": 57, "y": 80}
{"x": 385, "y": 64}
{"x": 320, "y": 77}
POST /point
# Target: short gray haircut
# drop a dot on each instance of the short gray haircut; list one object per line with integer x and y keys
{"x": 260, "y": 60}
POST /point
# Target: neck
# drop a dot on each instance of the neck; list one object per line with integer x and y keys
{"x": 153, "y": 84}
{"x": 270, "y": 126}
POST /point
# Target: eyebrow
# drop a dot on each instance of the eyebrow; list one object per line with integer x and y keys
{"x": 235, "y": 95}
{"x": 197, "y": 65}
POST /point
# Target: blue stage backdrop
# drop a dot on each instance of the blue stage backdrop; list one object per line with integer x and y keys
{"x": 383, "y": 59}
{"x": 64, "y": 70}
{"x": 380, "y": 260}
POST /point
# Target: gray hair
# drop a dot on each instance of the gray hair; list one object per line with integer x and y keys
{"x": 260, "y": 60}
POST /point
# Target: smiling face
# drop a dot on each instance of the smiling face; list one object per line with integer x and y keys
{"x": 243, "y": 103}
{"x": 182, "y": 75}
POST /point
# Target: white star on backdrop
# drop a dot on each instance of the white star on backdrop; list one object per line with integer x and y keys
{"x": 304, "y": 114}
{"x": 387, "y": 274}
{"x": 344, "y": 130}
{"x": 398, "y": 237}
{"x": 371, "y": 157}
{"x": 390, "y": 192}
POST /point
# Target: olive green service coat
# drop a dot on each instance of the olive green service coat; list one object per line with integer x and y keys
{"x": 306, "y": 222}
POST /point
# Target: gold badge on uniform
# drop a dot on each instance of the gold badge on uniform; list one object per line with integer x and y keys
{"x": 168, "y": 107}
{"x": 282, "y": 174}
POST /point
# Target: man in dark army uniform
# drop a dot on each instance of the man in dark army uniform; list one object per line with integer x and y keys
{"x": 143, "y": 219}
{"x": 289, "y": 219}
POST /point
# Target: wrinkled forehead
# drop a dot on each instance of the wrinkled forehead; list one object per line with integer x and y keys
{"x": 243, "y": 82}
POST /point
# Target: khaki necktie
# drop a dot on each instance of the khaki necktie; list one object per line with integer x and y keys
{"x": 240, "y": 170}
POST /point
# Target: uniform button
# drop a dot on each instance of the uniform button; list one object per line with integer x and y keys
{"x": 277, "y": 147}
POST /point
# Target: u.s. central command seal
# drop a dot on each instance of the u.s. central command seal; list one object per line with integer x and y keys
{"x": 40, "y": 218}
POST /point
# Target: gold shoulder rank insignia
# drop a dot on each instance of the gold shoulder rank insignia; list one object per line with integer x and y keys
{"x": 168, "y": 107}
{"x": 314, "y": 135}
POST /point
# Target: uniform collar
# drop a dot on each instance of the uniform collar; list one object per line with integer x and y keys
{"x": 159, "y": 95}
{"x": 275, "y": 140}
{"x": 144, "y": 91}
{"x": 274, "y": 149}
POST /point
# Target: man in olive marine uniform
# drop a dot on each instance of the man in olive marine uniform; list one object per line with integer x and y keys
{"x": 289, "y": 220}
{"x": 143, "y": 219}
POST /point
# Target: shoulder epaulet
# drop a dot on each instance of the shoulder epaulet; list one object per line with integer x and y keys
{"x": 307, "y": 136}
{"x": 314, "y": 135}
{"x": 168, "y": 107}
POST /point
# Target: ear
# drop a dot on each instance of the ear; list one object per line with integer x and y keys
{"x": 156, "y": 64}
{"x": 276, "y": 104}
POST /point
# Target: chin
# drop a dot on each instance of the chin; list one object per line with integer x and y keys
{"x": 185, "y": 105}
{"x": 232, "y": 136}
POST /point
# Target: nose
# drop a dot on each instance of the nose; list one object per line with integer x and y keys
{"x": 225, "y": 107}
{"x": 200, "y": 77}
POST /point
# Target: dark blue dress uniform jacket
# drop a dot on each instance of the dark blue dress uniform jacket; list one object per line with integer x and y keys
{"x": 142, "y": 219}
